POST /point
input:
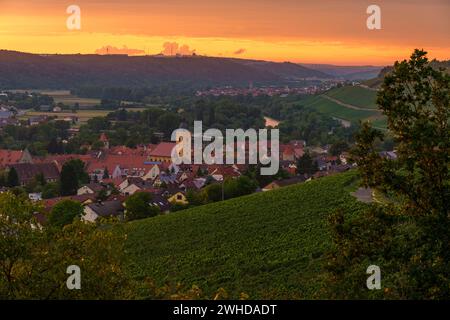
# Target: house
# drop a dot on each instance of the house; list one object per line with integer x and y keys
{"x": 35, "y": 196}
{"x": 179, "y": 197}
{"x": 8, "y": 157}
{"x": 161, "y": 202}
{"x": 91, "y": 188}
{"x": 28, "y": 171}
{"x": 390, "y": 155}
{"x": 283, "y": 183}
{"x": 103, "y": 209}
{"x": 165, "y": 179}
{"x": 6, "y": 114}
{"x": 35, "y": 120}
{"x": 153, "y": 172}
{"x": 287, "y": 153}
{"x": 103, "y": 138}
{"x": 45, "y": 108}
{"x": 162, "y": 152}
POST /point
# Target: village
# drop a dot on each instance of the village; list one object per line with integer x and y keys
{"x": 117, "y": 172}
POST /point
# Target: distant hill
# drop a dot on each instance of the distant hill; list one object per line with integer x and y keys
{"x": 269, "y": 245}
{"x": 31, "y": 71}
{"x": 346, "y": 72}
{"x": 378, "y": 80}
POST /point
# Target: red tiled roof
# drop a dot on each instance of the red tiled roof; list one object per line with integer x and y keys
{"x": 164, "y": 149}
{"x": 103, "y": 137}
{"x": 10, "y": 157}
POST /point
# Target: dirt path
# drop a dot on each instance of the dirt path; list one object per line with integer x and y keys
{"x": 350, "y": 106}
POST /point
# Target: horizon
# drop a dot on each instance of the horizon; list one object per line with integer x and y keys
{"x": 320, "y": 32}
{"x": 160, "y": 55}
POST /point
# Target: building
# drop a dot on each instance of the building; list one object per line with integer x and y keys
{"x": 103, "y": 209}
{"x": 283, "y": 183}
{"x": 9, "y": 157}
{"x": 28, "y": 171}
{"x": 162, "y": 152}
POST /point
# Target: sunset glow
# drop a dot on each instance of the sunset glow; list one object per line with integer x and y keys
{"x": 298, "y": 31}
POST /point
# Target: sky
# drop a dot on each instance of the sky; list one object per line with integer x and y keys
{"x": 319, "y": 31}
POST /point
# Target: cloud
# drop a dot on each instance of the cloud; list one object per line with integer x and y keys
{"x": 240, "y": 51}
{"x": 114, "y": 50}
{"x": 173, "y": 48}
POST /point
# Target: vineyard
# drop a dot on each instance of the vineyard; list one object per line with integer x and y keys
{"x": 267, "y": 245}
{"x": 355, "y": 95}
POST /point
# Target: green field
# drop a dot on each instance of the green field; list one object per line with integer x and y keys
{"x": 268, "y": 245}
{"x": 331, "y": 108}
{"x": 83, "y": 115}
{"x": 355, "y": 95}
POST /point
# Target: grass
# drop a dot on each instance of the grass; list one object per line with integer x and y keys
{"x": 333, "y": 109}
{"x": 83, "y": 115}
{"x": 268, "y": 245}
{"x": 355, "y": 95}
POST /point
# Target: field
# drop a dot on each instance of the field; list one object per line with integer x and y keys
{"x": 355, "y": 95}
{"x": 351, "y": 103}
{"x": 331, "y": 108}
{"x": 64, "y": 96}
{"x": 83, "y": 115}
{"x": 267, "y": 245}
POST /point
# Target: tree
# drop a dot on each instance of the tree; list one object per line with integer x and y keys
{"x": 106, "y": 173}
{"x": 73, "y": 175}
{"x": 338, "y": 147}
{"x": 33, "y": 262}
{"x": 306, "y": 164}
{"x": 138, "y": 206}
{"x": 64, "y": 212}
{"x": 69, "y": 180}
{"x": 12, "y": 179}
{"x": 408, "y": 234}
{"x": 50, "y": 190}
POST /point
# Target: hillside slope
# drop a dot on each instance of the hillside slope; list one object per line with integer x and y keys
{"x": 268, "y": 245}
{"x": 350, "y": 103}
{"x": 31, "y": 71}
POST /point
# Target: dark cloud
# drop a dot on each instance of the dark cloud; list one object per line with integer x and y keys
{"x": 240, "y": 51}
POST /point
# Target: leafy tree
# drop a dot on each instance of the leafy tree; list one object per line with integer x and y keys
{"x": 306, "y": 164}
{"x": 33, "y": 261}
{"x": 138, "y": 206}
{"x": 408, "y": 234}
{"x": 106, "y": 173}
{"x": 64, "y": 212}
{"x": 338, "y": 147}
{"x": 69, "y": 180}
{"x": 12, "y": 179}
{"x": 73, "y": 174}
{"x": 50, "y": 190}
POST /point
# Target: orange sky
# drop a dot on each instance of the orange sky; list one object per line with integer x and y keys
{"x": 320, "y": 31}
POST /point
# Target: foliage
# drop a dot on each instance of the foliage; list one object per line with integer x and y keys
{"x": 12, "y": 179}
{"x": 73, "y": 174}
{"x": 138, "y": 206}
{"x": 306, "y": 164}
{"x": 33, "y": 260}
{"x": 64, "y": 212}
{"x": 408, "y": 236}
